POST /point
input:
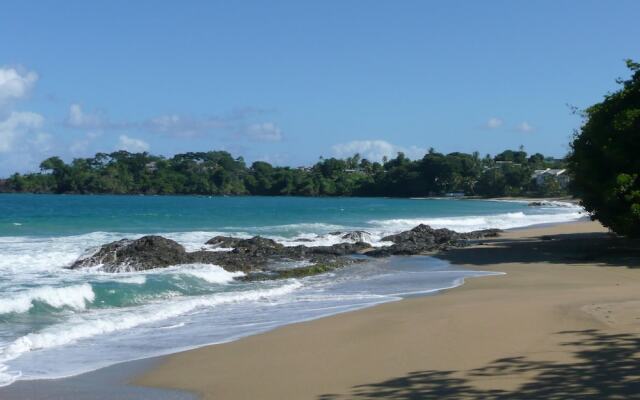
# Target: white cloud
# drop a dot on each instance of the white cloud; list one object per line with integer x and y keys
{"x": 494, "y": 123}
{"x": 77, "y": 118}
{"x": 375, "y": 150}
{"x": 23, "y": 143}
{"x": 235, "y": 124}
{"x": 265, "y": 131}
{"x": 81, "y": 119}
{"x": 132, "y": 145}
{"x": 16, "y": 127}
{"x": 182, "y": 126}
{"x": 165, "y": 123}
{"x": 80, "y": 146}
{"x": 15, "y": 84}
{"x": 42, "y": 142}
{"x": 525, "y": 127}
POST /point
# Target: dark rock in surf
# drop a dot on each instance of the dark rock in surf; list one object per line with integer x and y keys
{"x": 340, "y": 249}
{"x": 481, "y": 234}
{"x": 247, "y": 255}
{"x": 357, "y": 236}
{"x": 140, "y": 254}
{"x": 223, "y": 241}
{"x": 423, "y": 239}
{"x": 423, "y": 234}
{"x": 258, "y": 255}
{"x": 256, "y": 244}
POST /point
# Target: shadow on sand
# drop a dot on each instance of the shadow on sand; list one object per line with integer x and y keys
{"x": 606, "y": 366}
{"x": 575, "y": 248}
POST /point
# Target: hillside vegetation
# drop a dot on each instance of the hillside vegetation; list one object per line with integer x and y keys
{"x": 219, "y": 173}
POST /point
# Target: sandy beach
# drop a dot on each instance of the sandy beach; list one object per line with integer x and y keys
{"x": 563, "y": 322}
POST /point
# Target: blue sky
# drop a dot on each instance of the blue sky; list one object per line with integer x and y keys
{"x": 288, "y": 81}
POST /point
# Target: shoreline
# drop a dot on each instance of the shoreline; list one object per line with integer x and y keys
{"x": 107, "y": 383}
{"x": 333, "y": 357}
{"x": 120, "y": 374}
{"x": 143, "y": 370}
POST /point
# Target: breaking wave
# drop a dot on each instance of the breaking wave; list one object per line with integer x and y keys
{"x": 75, "y": 297}
{"x": 84, "y": 326}
{"x": 472, "y": 223}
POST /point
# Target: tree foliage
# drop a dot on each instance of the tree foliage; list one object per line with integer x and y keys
{"x": 219, "y": 173}
{"x": 604, "y": 158}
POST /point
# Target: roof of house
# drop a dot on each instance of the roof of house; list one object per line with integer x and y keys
{"x": 549, "y": 171}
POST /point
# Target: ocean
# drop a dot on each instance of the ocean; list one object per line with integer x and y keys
{"x": 56, "y": 322}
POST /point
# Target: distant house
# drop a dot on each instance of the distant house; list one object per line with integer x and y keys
{"x": 151, "y": 166}
{"x": 560, "y": 175}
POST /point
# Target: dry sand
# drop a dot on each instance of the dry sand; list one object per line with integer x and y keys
{"x": 563, "y": 323}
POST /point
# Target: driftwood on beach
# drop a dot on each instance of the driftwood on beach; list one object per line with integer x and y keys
{"x": 257, "y": 256}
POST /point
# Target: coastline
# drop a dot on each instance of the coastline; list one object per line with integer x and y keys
{"x": 64, "y": 246}
{"x": 144, "y": 378}
{"x": 503, "y": 335}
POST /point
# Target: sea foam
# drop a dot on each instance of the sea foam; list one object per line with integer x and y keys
{"x": 472, "y": 223}
{"x": 132, "y": 280}
{"x": 207, "y": 272}
{"x": 84, "y": 326}
{"x": 75, "y": 297}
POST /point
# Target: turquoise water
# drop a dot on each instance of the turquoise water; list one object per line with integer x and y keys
{"x": 55, "y": 215}
{"x": 58, "y": 322}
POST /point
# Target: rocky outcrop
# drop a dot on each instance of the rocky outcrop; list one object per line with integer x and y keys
{"x": 223, "y": 241}
{"x": 426, "y": 234}
{"x": 341, "y": 249}
{"x": 356, "y": 236}
{"x": 248, "y": 255}
{"x": 299, "y": 272}
{"x": 481, "y": 234}
{"x": 423, "y": 239}
{"x": 140, "y": 254}
{"x": 257, "y": 255}
{"x": 256, "y": 244}
{"x": 422, "y": 234}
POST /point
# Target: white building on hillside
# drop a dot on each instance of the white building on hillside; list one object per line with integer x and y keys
{"x": 560, "y": 175}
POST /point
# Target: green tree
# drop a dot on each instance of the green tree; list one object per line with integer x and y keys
{"x": 604, "y": 158}
{"x": 492, "y": 183}
{"x": 550, "y": 187}
{"x": 218, "y": 173}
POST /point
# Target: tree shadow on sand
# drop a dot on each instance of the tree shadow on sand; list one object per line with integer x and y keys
{"x": 606, "y": 366}
{"x": 575, "y": 248}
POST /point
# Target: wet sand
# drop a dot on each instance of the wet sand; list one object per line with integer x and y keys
{"x": 110, "y": 383}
